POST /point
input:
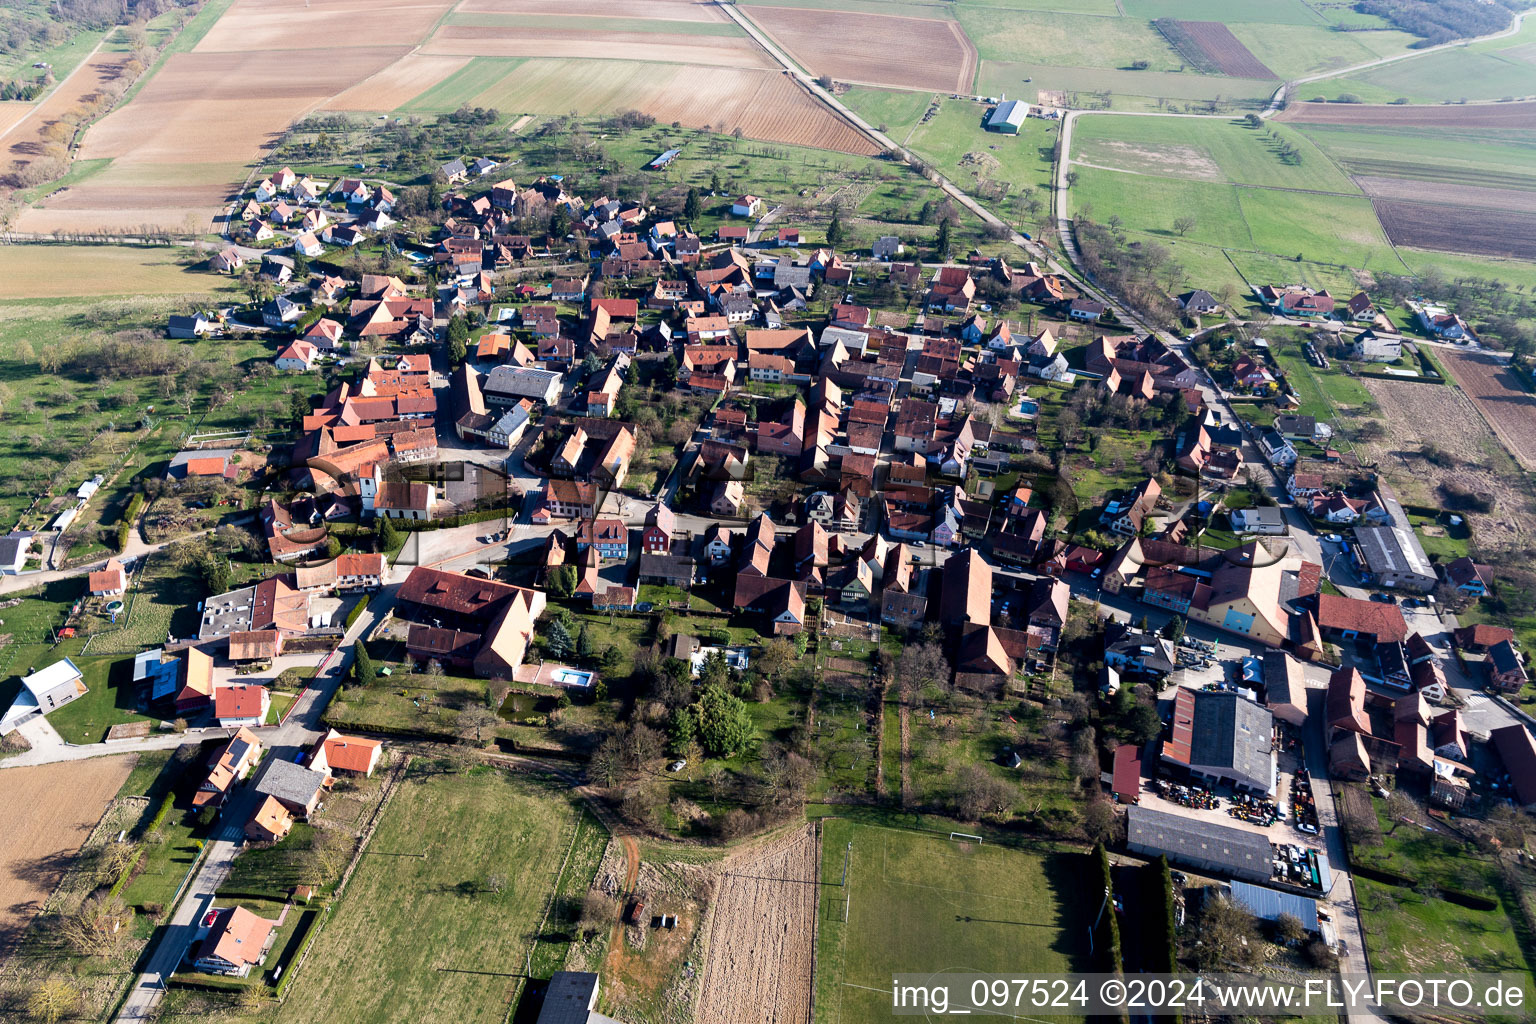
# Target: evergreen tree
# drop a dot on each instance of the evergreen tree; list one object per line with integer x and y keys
{"x": 941, "y": 245}
{"x": 583, "y": 644}
{"x": 458, "y": 339}
{"x": 835, "y": 230}
{"x": 215, "y": 571}
{"x": 681, "y": 732}
{"x": 298, "y": 407}
{"x": 724, "y": 726}
{"x": 714, "y": 181}
{"x": 557, "y": 640}
{"x": 363, "y": 672}
{"x": 388, "y": 536}
{"x": 691, "y": 206}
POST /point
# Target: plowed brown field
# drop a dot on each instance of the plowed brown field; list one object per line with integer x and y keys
{"x": 873, "y": 49}
{"x": 1449, "y": 115}
{"x": 398, "y": 84}
{"x": 760, "y": 949}
{"x": 763, "y": 104}
{"x": 27, "y": 140}
{"x": 1493, "y": 387}
{"x": 1411, "y": 190}
{"x": 321, "y": 25}
{"x": 1489, "y": 231}
{"x": 482, "y": 41}
{"x": 662, "y": 10}
{"x": 45, "y": 814}
{"x": 185, "y": 140}
{"x": 1225, "y": 50}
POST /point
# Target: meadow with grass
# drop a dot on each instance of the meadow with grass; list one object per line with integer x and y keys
{"x": 921, "y": 902}
{"x": 446, "y": 905}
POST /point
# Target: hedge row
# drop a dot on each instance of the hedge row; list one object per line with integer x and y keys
{"x": 402, "y": 731}
{"x": 1461, "y": 897}
{"x": 163, "y": 812}
{"x": 1159, "y": 880}
{"x": 1385, "y": 876}
{"x": 211, "y": 983}
{"x": 356, "y": 611}
{"x": 311, "y": 930}
{"x": 1107, "y": 949}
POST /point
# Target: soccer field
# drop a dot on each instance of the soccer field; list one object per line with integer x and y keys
{"x": 921, "y": 903}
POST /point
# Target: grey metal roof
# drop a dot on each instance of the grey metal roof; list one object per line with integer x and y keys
{"x": 570, "y": 998}
{"x": 1009, "y": 112}
{"x": 12, "y": 546}
{"x": 1232, "y": 732}
{"x": 1268, "y": 904}
{"x": 1279, "y": 686}
{"x": 1392, "y": 549}
{"x": 1264, "y": 516}
{"x": 1200, "y": 842}
{"x": 289, "y": 782}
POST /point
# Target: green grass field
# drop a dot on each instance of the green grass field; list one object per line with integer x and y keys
{"x": 1207, "y": 149}
{"x": 958, "y": 146}
{"x": 108, "y": 702}
{"x": 897, "y": 111}
{"x": 1074, "y": 40}
{"x": 463, "y": 85}
{"x": 1323, "y": 229}
{"x": 68, "y": 271}
{"x": 1298, "y": 50}
{"x": 1491, "y": 70}
{"x": 921, "y": 903}
{"x": 1130, "y": 90}
{"x": 1503, "y": 159}
{"x": 417, "y": 935}
{"x": 1272, "y": 12}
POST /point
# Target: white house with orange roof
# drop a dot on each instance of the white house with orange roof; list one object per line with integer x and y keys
{"x": 338, "y": 753}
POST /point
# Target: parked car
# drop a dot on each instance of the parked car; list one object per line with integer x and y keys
{"x": 677, "y": 766}
{"x": 1334, "y": 538}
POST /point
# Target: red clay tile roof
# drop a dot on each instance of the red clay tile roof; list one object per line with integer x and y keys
{"x": 241, "y": 701}
{"x": 1374, "y": 618}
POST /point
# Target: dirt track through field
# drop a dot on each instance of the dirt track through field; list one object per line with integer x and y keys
{"x": 874, "y": 49}
{"x": 45, "y": 815}
{"x": 760, "y": 952}
{"x": 29, "y": 139}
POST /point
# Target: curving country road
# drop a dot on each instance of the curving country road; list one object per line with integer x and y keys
{"x": 1277, "y": 101}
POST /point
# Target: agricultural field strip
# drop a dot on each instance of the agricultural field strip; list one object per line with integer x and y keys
{"x": 592, "y": 23}
{"x": 1493, "y": 389}
{"x": 719, "y": 51}
{"x": 1234, "y": 184}
{"x": 763, "y": 104}
{"x": 1521, "y": 115}
{"x": 46, "y": 812}
{"x": 761, "y": 939}
{"x": 1489, "y": 231}
{"x": 1435, "y": 193}
{"x": 855, "y": 47}
{"x": 1225, "y": 51}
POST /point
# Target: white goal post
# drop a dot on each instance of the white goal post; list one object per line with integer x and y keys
{"x": 966, "y": 836}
